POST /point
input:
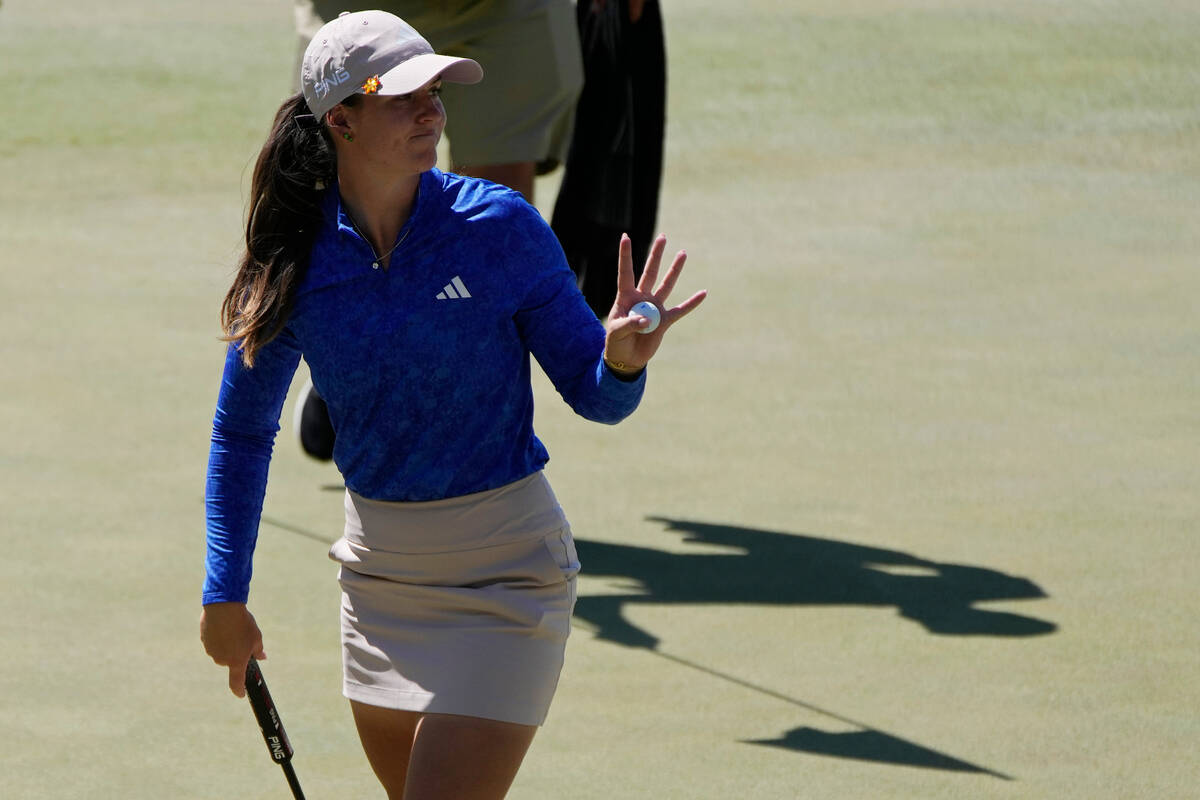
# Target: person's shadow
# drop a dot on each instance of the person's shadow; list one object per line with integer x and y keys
{"x": 772, "y": 568}
{"x": 792, "y": 569}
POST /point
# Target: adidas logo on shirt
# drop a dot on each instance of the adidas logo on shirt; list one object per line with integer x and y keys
{"x": 454, "y": 290}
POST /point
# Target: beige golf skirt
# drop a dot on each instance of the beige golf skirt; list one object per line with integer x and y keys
{"x": 457, "y": 606}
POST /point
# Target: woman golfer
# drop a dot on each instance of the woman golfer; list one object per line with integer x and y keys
{"x": 416, "y": 298}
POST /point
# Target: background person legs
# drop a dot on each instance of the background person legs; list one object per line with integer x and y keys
{"x": 614, "y": 167}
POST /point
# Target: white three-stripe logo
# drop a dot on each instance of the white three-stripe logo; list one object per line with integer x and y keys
{"x": 454, "y": 290}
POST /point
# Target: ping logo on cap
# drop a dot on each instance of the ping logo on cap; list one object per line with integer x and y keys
{"x": 324, "y": 86}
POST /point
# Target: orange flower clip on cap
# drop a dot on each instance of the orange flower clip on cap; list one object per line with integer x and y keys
{"x": 373, "y": 52}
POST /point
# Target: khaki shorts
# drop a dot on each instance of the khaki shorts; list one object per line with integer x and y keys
{"x": 532, "y": 72}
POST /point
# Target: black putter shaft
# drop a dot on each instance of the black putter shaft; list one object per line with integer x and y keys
{"x": 271, "y": 725}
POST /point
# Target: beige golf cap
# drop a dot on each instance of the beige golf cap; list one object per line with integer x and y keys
{"x": 373, "y": 52}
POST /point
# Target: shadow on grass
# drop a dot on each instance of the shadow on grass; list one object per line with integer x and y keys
{"x": 871, "y": 745}
{"x": 772, "y": 568}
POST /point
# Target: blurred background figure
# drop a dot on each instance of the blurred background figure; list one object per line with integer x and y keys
{"x": 614, "y": 166}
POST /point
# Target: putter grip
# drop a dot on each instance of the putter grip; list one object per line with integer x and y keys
{"x": 267, "y": 715}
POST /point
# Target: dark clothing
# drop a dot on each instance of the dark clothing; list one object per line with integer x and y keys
{"x": 614, "y": 165}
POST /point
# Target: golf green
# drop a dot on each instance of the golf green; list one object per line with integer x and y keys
{"x": 909, "y": 510}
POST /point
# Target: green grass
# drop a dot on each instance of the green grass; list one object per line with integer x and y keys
{"x": 951, "y": 249}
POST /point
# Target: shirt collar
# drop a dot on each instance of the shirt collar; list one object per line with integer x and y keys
{"x": 335, "y": 211}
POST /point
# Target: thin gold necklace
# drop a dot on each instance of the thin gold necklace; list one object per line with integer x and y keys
{"x": 378, "y": 258}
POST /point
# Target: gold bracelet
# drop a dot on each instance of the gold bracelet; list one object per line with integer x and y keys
{"x": 621, "y": 368}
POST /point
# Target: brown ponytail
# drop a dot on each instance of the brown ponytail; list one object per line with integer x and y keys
{"x": 284, "y": 215}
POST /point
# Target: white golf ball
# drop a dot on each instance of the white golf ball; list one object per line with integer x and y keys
{"x": 650, "y": 312}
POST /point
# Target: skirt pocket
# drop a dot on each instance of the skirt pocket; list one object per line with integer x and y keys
{"x": 561, "y": 546}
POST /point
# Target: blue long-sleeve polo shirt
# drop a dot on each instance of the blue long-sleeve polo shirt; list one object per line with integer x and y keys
{"x": 424, "y": 365}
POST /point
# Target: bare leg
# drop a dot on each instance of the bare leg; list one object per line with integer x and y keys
{"x": 387, "y": 737}
{"x": 517, "y": 176}
{"x": 465, "y": 758}
{"x": 441, "y": 756}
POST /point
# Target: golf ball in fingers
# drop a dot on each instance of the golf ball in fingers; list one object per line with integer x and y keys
{"x": 650, "y": 312}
